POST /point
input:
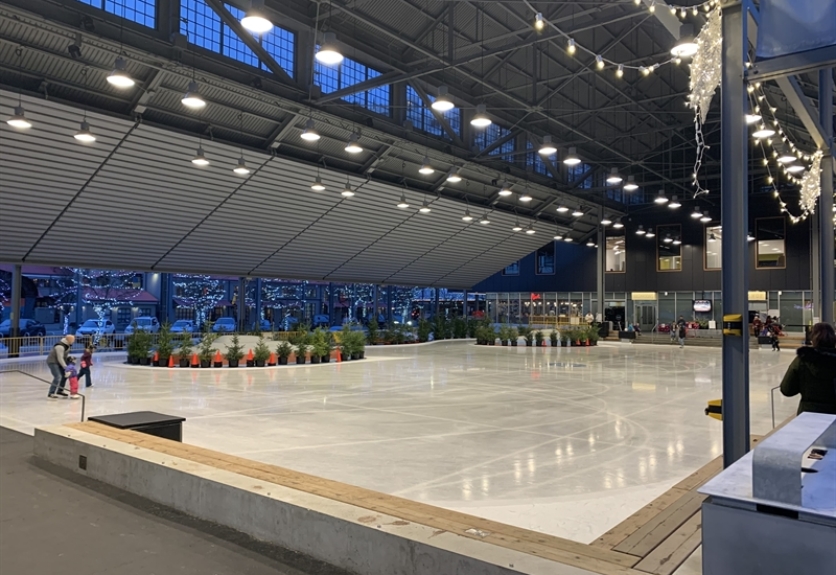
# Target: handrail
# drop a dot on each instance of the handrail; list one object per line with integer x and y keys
{"x": 83, "y": 397}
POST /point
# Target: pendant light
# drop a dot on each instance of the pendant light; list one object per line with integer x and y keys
{"x": 454, "y": 176}
{"x": 530, "y": 230}
{"x": 425, "y": 207}
{"x": 18, "y": 118}
{"x": 547, "y": 148}
{"x": 705, "y": 218}
{"x": 200, "y": 157}
{"x": 505, "y": 190}
{"x": 484, "y": 221}
{"x": 661, "y": 198}
{"x": 309, "y": 134}
{"x": 558, "y": 236}
{"x": 403, "y": 204}
{"x": 712, "y": 238}
{"x": 572, "y": 158}
{"x": 605, "y": 221}
{"x": 426, "y": 168}
{"x": 667, "y": 240}
{"x": 525, "y": 196}
{"x": 677, "y": 241}
{"x": 795, "y": 168}
{"x": 750, "y": 237}
{"x": 674, "y": 203}
{"x": 241, "y": 168}
{"x": 686, "y": 46}
{"x": 650, "y": 233}
{"x": 614, "y": 177}
{"x": 763, "y": 132}
{"x": 590, "y": 243}
{"x": 631, "y": 185}
{"x": 192, "y": 99}
{"x": 467, "y": 217}
{"x": 353, "y": 147}
{"x": 784, "y": 157}
{"x": 696, "y": 214}
{"x": 753, "y": 118}
{"x": 481, "y": 119}
{"x": 328, "y": 52}
{"x": 347, "y": 191}
{"x": 640, "y": 231}
{"x": 562, "y": 209}
{"x": 318, "y": 186}
{"x": 255, "y": 20}
{"x": 517, "y": 227}
{"x": 443, "y": 103}
{"x": 567, "y": 239}
{"x": 618, "y": 224}
{"x": 578, "y": 212}
{"x": 84, "y": 134}
{"x": 119, "y": 77}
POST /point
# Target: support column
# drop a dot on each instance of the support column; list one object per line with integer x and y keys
{"x": 389, "y": 304}
{"x": 257, "y": 299}
{"x": 734, "y": 219}
{"x": 464, "y": 304}
{"x": 14, "y": 331}
{"x": 826, "y": 198}
{"x": 242, "y": 303}
{"x": 79, "y": 300}
{"x": 332, "y": 299}
{"x": 600, "y": 265}
{"x": 437, "y": 307}
{"x": 815, "y": 266}
{"x": 375, "y": 296}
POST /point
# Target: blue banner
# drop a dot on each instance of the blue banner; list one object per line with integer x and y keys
{"x": 789, "y": 26}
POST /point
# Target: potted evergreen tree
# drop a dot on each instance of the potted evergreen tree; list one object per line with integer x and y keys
{"x": 234, "y": 351}
{"x": 553, "y": 338}
{"x": 261, "y": 353}
{"x": 346, "y": 342}
{"x": 283, "y": 351}
{"x": 301, "y": 347}
{"x": 132, "y": 349}
{"x": 538, "y": 338}
{"x": 165, "y": 345}
{"x": 373, "y": 332}
{"x": 514, "y": 336}
{"x": 143, "y": 347}
{"x": 205, "y": 351}
{"x": 185, "y": 348}
{"x": 504, "y": 334}
{"x": 424, "y": 330}
{"x": 528, "y": 334}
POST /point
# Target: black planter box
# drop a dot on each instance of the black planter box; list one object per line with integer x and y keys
{"x": 144, "y": 361}
{"x": 259, "y": 363}
{"x": 355, "y": 355}
{"x": 300, "y": 360}
{"x": 184, "y": 363}
{"x": 505, "y": 344}
{"x": 218, "y": 364}
{"x": 282, "y": 361}
{"x": 250, "y": 363}
{"x": 232, "y": 362}
{"x": 514, "y": 343}
{"x": 325, "y": 359}
{"x": 315, "y": 359}
{"x": 205, "y": 363}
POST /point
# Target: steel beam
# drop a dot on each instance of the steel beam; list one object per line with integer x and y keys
{"x": 439, "y": 117}
{"x": 805, "y": 110}
{"x": 825, "y": 214}
{"x": 734, "y": 219}
{"x": 218, "y": 7}
{"x": 508, "y": 137}
{"x": 600, "y": 265}
{"x": 274, "y": 140}
{"x": 794, "y": 64}
{"x": 17, "y": 280}
{"x": 141, "y": 101}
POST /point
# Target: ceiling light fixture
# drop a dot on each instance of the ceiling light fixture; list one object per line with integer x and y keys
{"x": 255, "y": 20}
{"x": 570, "y": 46}
{"x": 530, "y": 229}
{"x": 467, "y": 217}
{"x": 631, "y": 185}
{"x": 199, "y": 157}
{"x": 484, "y": 221}
{"x": 18, "y": 119}
{"x": 443, "y": 103}
{"x": 677, "y": 242}
{"x": 481, "y": 119}
{"x": 525, "y": 196}
{"x": 795, "y": 168}
{"x": 605, "y": 221}
{"x": 674, "y": 203}
{"x": 753, "y": 118}
{"x": 192, "y": 98}
{"x": 426, "y": 168}
{"x": 590, "y": 244}
{"x": 562, "y": 209}
{"x": 310, "y": 134}
{"x": 763, "y": 132}
{"x": 668, "y": 240}
{"x": 403, "y": 204}
{"x": 785, "y": 157}
{"x": 572, "y": 158}
{"x": 119, "y": 77}
{"x": 517, "y": 227}
{"x": 705, "y": 218}
{"x": 505, "y": 190}
{"x": 347, "y": 191}
{"x": 686, "y": 47}
{"x": 650, "y": 233}
{"x": 578, "y": 212}
{"x": 712, "y": 238}
{"x": 567, "y": 239}
{"x": 454, "y": 176}
{"x": 318, "y": 186}
{"x": 84, "y": 134}
{"x": 547, "y": 148}
{"x": 539, "y": 22}
{"x": 353, "y": 147}
{"x": 614, "y": 177}
{"x": 696, "y": 214}
{"x": 618, "y": 224}
{"x": 241, "y": 169}
{"x": 640, "y": 231}
{"x": 661, "y": 198}
{"x": 750, "y": 237}
{"x": 425, "y": 208}
{"x": 328, "y": 52}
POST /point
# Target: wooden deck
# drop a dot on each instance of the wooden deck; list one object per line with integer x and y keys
{"x": 656, "y": 539}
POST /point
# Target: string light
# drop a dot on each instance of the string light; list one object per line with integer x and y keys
{"x": 570, "y": 46}
{"x": 619, "y": 73}
{"x": 705, "y": 79}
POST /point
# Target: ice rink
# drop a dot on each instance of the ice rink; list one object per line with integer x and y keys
{"x": 565, "y": 441}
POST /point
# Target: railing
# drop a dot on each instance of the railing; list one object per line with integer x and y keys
{"x": 49, "y": 382}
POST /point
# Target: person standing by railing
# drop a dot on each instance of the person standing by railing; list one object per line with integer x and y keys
{"x": 57, "y": 363}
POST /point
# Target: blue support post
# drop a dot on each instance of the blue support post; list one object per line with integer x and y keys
{"x": 825, "y": 214}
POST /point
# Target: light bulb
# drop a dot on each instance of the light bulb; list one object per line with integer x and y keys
{"x": 644, "y": 70}
{"x": 328, "y": 52}
{"x": 631, "y": 185}
{"x": 200, "y": 158}
{"x": 119, "y": 77}
{"x": 467, "y": 217}
{"x": 255, "y": 20}
{"x": 85, "y": 135}
{"x": 481, "y": 119}
{"x": 454, "y": 177}
{"x": 443, "y": 103}
{"x": 241, "y": 169}
{"x": 547, "y": 148}
{"x": 192, "y": 98}
{"x": 619, "y": 71}
{"x": 18, "y": 119}
{"x": 572, "y": 158}
{"x": 318, "y": 186}
{"x": 352, "y": 147}
{"x": 652, "y": 6}
{"x": 570, "y": 46}
{"x": 539, "y": 22}
{"x": 426, "y": 168}
{"x": 310, "y": 134}
{"x": 599, "y": 62}
{"x": 614, "y": 177}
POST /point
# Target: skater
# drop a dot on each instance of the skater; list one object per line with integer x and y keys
{"x": 71, "y": 374}
{"x": 774, "y": 331}
{"x": 86, "y": 364}
{"x": 680, "y": 331}
{"x": 57, "y": 362}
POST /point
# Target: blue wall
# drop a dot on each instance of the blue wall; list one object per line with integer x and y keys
{"x": 574, "y": 271}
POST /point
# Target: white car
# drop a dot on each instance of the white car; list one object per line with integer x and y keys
{"x": 95, "y": 326}
{"x": 182, "y": 325}
{"x": 225, "y": 324}
{"x": 143, "y": 323}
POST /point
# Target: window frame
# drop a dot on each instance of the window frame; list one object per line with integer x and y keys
{"x": 537, "y": 260}
{"x": 758, "y": 244}
{"x": 512, "y": 274}
{"x": 712, "y": 229}
{"x": 660, "y": 239}
{"x": 623, "y": 236}
{"x": 103, "y": 8}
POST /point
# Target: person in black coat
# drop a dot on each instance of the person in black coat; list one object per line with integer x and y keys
{"x": 813, "y": 373}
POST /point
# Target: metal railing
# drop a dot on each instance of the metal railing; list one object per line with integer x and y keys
{"x": 49, "y": 383}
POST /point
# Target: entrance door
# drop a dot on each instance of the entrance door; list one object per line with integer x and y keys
{"x": 644, "y": 315}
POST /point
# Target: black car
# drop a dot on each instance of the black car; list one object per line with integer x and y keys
{"x": 28, "y": 327}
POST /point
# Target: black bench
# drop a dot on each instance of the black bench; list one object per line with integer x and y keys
{"x": 150, "y": 422}
{"x": 626, "y": 335}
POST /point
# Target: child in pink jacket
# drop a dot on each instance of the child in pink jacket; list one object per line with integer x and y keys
{"x": 72, "y": 376}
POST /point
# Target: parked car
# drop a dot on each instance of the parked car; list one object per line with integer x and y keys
{"x": 94, "y": 326}
{"x": 264, "y": 325}
{"x": 225, "y": 324}
{"x": 27, "y": 327}
{"x": 321, "y": 320}
{"x": 289, "y": 323}
{"x": 143, "y": 323}
{"x": 183, "y": 325}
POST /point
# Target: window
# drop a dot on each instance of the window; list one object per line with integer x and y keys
{"x": 616, "y": 255}
{"x": 512, "y": 269}
{"x": 140, "y": 11}
{"x": 545, "y": 260}
{"x": 713, "y": 247}
{"x": 350, "y": 72}
{"x": 422, "y": 116}
{"x": 580, "y": 173}
{"x": 770, "y": 234}
{"x": 534, "y": 161}
{"x": 204, "y": 28}
{"x": 669, "y": 248}
{"x": 491, "y": 134}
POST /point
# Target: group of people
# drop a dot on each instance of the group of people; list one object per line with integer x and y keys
{"x": 771, "y": 328}
{"x": 63, "y": 368}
